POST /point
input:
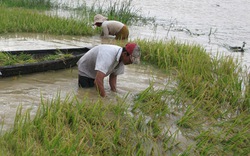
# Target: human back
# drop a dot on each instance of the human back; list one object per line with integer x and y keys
{"x": 111, "y": 27}
{"x": 103, "y": 58}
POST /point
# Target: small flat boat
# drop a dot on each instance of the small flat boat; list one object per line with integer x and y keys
{"x": 45, "y": 65}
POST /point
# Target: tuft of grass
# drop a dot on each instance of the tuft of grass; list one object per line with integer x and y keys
{"x": 29, "y": 4}
{"x": 213, "y": 93}
{"x": 70, "y": 127}
{"x": 123, "y": 11}
{"x": 7, "y": 59}
{"x": 16, "y": 18}
{"x": 205, "y": 111}
{"x": 152, "y": 103}
{"x": 217, "y": 80}
{"x": 22, "y": 20}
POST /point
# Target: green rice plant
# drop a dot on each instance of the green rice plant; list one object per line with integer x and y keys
{"x": 21, "y": 20}
{"x": 7, "y": 59}
{"x": 229, "y": 137}
{"x": 236, "y": 134}
{"x": 215, "y": 79}
{"x": 118, "y": 10}
{"x": 208, "y": 143}
{"x": 212, "y": 89}
{"x": 208, "y": 105}
{"x": 88, "y": 127}
{"x": 31, "y": 4}
{"x": 188, "y": 119}
{"x": 27, "y": 20}
{"x": 244, "y": 102}
{"x": 24, "y": 57}
{"x": 152, "y": 103}
{"x": 125, "y": 12}
{"x": 57, "y": 56}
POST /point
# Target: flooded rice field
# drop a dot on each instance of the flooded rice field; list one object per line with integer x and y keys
{"x": 214, "y": 24}
{"x": 28, "y": 90}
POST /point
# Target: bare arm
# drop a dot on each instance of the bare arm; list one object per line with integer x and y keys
{"x": 99, "y": 83}
{"x": 112, "y": 82}
{"x": 105, "y": 31}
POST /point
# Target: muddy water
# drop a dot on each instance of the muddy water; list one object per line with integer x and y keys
{"x": 214, "y": 24}
{"x": 27, "y": 90}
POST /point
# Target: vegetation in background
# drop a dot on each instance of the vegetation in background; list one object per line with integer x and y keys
{"x": 123, "y": 11}
{"x": 30, "y": 4}
{"x": 78, "y": 22}
{"x": 21, "y": 20}
{"x": 206, "y": 119}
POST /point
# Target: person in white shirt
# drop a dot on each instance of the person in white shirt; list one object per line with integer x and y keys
{"x": 105, "y": 60}
{"x": 111, "y": 27}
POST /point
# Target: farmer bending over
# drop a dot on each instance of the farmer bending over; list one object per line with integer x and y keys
{"x": 105, "y": 60}
{"x": 111, "y": 27}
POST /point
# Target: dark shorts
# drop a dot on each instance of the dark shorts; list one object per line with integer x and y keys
{"x": 85, "y": 82}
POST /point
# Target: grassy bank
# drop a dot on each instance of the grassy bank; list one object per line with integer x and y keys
{"x": 209, "y": 107}
{"x": 30, "y": 4}
{"x": 213, "y": 94}
{"x": 23, "y": 20}
{"x": 38, "y": 17}
{"x": 123, "y": 11}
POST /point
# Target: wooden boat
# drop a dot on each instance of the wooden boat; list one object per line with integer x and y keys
{"x": 20, "y": 69}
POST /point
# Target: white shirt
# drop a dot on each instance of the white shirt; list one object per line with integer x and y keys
{"x": 111, "y": 27}
{"x": 104, "y": 58}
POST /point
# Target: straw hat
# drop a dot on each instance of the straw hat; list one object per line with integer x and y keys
{"x": 99, "y": 19}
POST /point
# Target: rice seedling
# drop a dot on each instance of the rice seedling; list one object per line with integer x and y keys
{"x": 151, "y": 103}
{"x": 118, "y": 10}
{"x": 27, "y": 20}
{"x": 21, "y": 20}
{"x": 209, "y": 107}
{"x": 211, "y": 90}
{"x": 30, "y": 4}
{"x": 72, "y": 128}
{"x": 7, "y": 59}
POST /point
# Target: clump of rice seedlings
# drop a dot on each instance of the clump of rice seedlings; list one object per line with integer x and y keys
{"x": 123, "y": 11}
{"x": 78, "y": 22}
{"x": 71, "y": 127}
{"x": 57, "y": 56}
{"x": 152, "y": 103}
{"x": 7, "y": 59}
{"x": 199, "y": 75}
{"x": 213, "y": 91}
{"x": 208, "y": 109}
{"x": 229, "y": 137}
{"x": 21, "y": 20}
{"x": 31, "y": 4}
